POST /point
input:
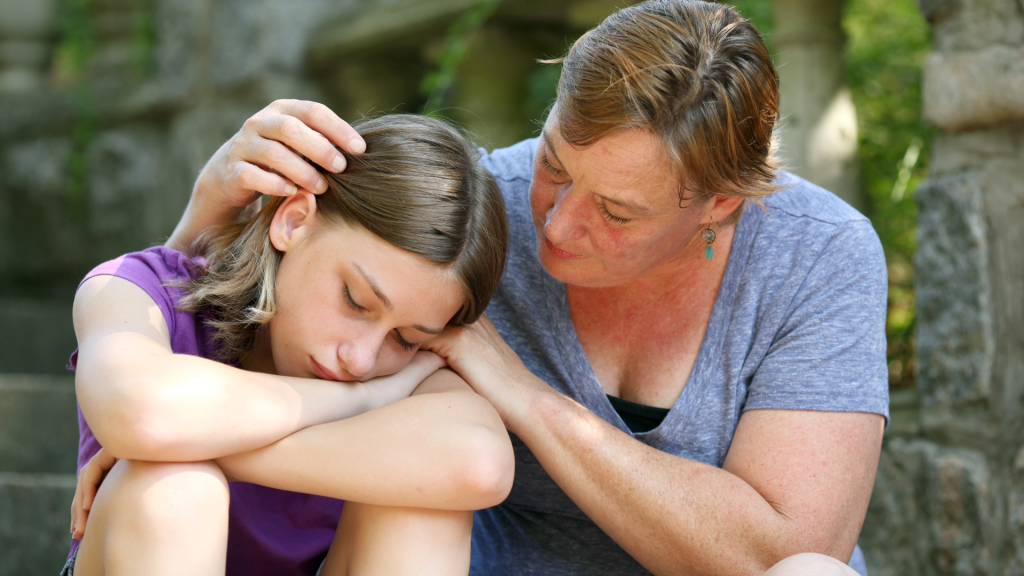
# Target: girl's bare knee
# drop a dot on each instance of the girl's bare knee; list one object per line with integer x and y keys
{"x": 810, "y": 564}
{"x": 163, "y": 491}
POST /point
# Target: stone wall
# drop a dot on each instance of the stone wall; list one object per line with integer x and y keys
{"x": 949, "y": 499}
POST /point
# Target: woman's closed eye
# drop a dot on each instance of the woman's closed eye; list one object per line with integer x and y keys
{"x": 611, "y": 217}
{"x": 550, "y": 167}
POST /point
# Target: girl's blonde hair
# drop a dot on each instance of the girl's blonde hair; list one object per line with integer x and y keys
{"x": 418, "y": 187}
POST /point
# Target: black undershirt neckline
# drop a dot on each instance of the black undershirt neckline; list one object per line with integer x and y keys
{"x": 639, "y": 418}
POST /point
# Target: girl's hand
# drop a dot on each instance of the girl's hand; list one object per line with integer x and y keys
{"x": 480, "y": 355}
{"x": 89, "y": 479}
{"x": 387, "y": 389}
{"x": 266, "y": 155}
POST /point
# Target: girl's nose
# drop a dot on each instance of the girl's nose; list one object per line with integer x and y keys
{"x": 359, "y": 357}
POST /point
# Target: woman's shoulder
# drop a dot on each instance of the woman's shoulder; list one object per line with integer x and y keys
{"x": 514, "y": 163}
{"x": 799, "y": 198}
{"x": 802, "y": 220}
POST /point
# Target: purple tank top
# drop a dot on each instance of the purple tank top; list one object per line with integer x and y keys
{"x": 270, "y": 531}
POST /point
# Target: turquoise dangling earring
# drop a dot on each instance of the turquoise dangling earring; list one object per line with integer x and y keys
{"x": 708, "y": 236}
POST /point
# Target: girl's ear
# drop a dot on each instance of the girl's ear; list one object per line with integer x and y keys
{"x": 293, "y": 220}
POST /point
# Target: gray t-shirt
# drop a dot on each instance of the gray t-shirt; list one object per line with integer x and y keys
{"x": 799, "y": 323}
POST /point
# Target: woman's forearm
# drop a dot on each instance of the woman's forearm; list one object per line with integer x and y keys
{"x": 676, "y": 515}
{"x": 443, "y": 448}
{"x": 673, "y": 515}
{"x": 203, "y": 212}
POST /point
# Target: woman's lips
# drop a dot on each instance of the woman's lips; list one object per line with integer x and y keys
{"x": 558, "y": 252}
{"x": 323, "y": 373}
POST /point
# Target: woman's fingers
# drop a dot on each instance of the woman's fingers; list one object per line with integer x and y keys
{"x": 321, "y": 119}
{"x": 304, "y": 140}
{"x": 276, "y": 158}
{"x": 256, "y": 181}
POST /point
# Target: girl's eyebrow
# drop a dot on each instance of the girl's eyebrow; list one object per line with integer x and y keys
{"x": 375, "y": 287}
{"x": 387, "y": 301}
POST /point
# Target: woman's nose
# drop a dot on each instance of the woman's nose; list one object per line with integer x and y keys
{"x": 564, "y": 219}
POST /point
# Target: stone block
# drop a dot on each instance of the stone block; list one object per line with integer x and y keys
{"x": 895, "y": 536}
{"x": 38, "y": 336}
{"x": 974, "y": 24}
{"x": 960, "y": 511}
{"x": 38, "y": 424}
{"x": 954, "y": 335}
{"x": 969, "y": 89}
{"x": 256, "y": 37}
{"x": 931, "y": 512}
{"x": 178, "y": 55}
{"x": 974, "y": 148}
{"x": 34, "y": 520}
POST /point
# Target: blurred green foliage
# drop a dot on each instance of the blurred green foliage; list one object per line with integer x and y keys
{"x": 887, "y": 43}
{"x": 438, "y": 82}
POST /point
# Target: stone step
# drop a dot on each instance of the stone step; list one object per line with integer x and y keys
{"x": 38, "y": 336}
{"x": 34, "y": 520}
{"x": 38, "y": 424}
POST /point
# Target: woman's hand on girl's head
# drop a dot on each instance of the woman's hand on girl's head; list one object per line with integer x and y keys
{"x": 89, "y": 479}
{"x": 266, "y": 155}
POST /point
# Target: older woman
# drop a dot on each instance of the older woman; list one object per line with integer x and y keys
{"x": 694, "y": 384}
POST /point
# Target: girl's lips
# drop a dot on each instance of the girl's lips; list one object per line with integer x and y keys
{"x": 323, "y": 373}
{"x": 558, "y": 252}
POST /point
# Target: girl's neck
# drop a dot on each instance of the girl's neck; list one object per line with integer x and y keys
{"x": 260, "y": 358}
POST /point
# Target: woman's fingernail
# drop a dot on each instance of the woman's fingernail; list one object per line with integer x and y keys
{"x": 339, "y": 164}
{"x": 321, "y": 185}
{"x": 357, "y": 146}
{"x": 290, "y": 190}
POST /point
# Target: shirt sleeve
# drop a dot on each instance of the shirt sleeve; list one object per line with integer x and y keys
{"x": 159, "y": 272}
{"x": 829, "y": 353}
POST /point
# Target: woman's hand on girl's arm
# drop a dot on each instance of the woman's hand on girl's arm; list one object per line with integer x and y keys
{"x": 266, "y": 156}
{"x": 144, "y": 402}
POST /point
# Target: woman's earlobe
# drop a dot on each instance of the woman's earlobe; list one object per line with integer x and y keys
{"x": 293, "y": 219}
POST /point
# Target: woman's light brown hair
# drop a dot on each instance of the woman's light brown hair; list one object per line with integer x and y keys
{"x": 696, "y": 74}
{"x": 418, "y": 187}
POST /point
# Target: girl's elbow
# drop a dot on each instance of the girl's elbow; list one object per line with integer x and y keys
{"x": 490, "y": 469}
{"x": 139, "y": 431}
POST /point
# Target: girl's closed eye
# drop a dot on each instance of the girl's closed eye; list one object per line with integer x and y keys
{"x": 403, "y": 343}
{"x": 352, "y": 303}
